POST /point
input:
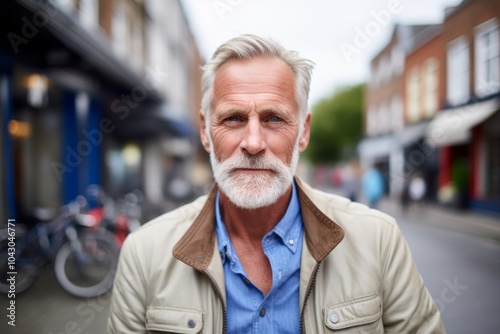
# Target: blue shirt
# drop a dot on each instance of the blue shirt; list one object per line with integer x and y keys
{"x": 248, "y": 310}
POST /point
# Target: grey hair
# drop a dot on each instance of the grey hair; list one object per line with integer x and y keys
{"x": 249, "y": 47}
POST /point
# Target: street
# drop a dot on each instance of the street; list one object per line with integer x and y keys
{"x": 461, "y": 270}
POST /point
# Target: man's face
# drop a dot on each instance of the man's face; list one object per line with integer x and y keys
{"x": 254, "y": 138}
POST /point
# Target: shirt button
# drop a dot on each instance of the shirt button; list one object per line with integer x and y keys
{"x": 291, "y": 242}
{"x": 191, "y": 323}
{"x": 262, "y": 312}
{"x": 334, "y": 318}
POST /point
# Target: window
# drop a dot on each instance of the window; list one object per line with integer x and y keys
{"x": 374, "y": 75}
{"x": 120, "y": 31}
{"x": 371, "y": 119}
{"x": 397, "y": 118}
{"x": 384, "y": 70}
{"x": 413, "y": 95}
{"x": 137, "y": 46}
{"x": 384, "y": 122}
{"x": 66, "y": 5}
{"x": 458, "y": 71}
{"x": 397, "y": 61}
{"x": 487, "y": 56}
{"x": 89, "y": 13}
{"x": 430, "y": 87}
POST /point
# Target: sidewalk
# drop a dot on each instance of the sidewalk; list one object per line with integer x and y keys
{"x": 464, "y": 221}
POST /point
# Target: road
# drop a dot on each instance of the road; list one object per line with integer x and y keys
{"x": 462, "y": 272}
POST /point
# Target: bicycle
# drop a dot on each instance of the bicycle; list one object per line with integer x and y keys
{"x": 84, "y": 257}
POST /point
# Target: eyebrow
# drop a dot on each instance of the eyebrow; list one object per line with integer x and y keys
{"x": 232, "y": 111}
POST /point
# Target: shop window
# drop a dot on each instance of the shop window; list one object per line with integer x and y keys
{"x": 123, "y": 165}
{"x": 35, "y": 129}
{"x": 37, "y": 90}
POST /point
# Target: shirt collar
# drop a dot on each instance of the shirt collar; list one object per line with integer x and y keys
{"x": 288, "y": 229}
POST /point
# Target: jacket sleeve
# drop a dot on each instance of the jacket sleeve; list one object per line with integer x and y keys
{"x": 127, "y": 312}
{"x": 408, "y": 305}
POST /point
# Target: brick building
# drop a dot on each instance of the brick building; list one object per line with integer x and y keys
{"x": 467, "y": 129}
{"x": 386, "y": 132}
{"x": 424, "y": 86}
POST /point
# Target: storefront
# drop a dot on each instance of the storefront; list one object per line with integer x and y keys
{"x": 69, "y": 106}
{"x": 49, "y": 160}
{"x": 468, "y": 139}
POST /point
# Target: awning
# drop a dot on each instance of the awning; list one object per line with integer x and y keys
{"x": 453, "y": 126}
{"x": 377, "y": 147}
{"x": 63, "y": 44}
{"x": 411, "y": 134}
{"x": 155, "y": 120}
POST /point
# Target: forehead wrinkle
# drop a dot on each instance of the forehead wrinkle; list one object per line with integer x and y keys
{"x": 265, "y": 88}
{"x": 234, "y": 81}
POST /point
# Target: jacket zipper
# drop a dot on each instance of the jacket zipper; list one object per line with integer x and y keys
{"x": 306, "y": 298}
{"x": 219, "y": 295}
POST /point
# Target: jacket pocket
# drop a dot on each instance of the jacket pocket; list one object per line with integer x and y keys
{"x": 355, "y": 312}
{"x": 174, "y": 320}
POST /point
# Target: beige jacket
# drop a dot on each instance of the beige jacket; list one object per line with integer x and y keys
{"x": 357, "y": 274}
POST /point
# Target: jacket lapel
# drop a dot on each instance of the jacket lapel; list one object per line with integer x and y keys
{"x": 321, "y": 232}
{"x": 196, "y": 247}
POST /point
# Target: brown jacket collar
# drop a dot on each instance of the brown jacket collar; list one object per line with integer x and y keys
{"x": 196, "y": 247}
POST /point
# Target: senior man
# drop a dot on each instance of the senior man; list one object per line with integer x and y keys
{"x": 264, "y": 252}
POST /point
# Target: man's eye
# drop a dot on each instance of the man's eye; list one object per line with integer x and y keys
{"x": 232, "y": 119}
{"x": 274, "y": 119}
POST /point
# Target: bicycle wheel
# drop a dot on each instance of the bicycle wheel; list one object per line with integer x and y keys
{"x": 87, "y": 269}
{"x": 27, "y": 265}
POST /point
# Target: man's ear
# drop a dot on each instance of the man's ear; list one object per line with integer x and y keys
{"x": 304, "y": 139}
{"x": 203, "y": 134}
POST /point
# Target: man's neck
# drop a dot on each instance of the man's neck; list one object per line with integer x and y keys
{"x": 251, "y": 225}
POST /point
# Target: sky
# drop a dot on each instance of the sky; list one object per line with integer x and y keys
{"x": 340, "y": 36}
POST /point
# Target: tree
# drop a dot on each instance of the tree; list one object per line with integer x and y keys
{"x": 336, "y": 126}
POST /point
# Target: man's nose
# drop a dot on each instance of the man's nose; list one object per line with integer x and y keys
{"x": 253, "y": 141}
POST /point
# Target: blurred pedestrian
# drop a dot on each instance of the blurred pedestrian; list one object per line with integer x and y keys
{"x": 404, "y": 196}
{"x": 264, "y": 252}
{"x": 373, "y": 186}
{"x": 416, "y": 192}
{"x": 352, "y": 180}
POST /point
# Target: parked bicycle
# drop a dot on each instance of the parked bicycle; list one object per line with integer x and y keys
{"x": 84, "y": 257}
{"x": 120, "y": 217}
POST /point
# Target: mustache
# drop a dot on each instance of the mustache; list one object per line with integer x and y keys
{"x": 252, "y": 162}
